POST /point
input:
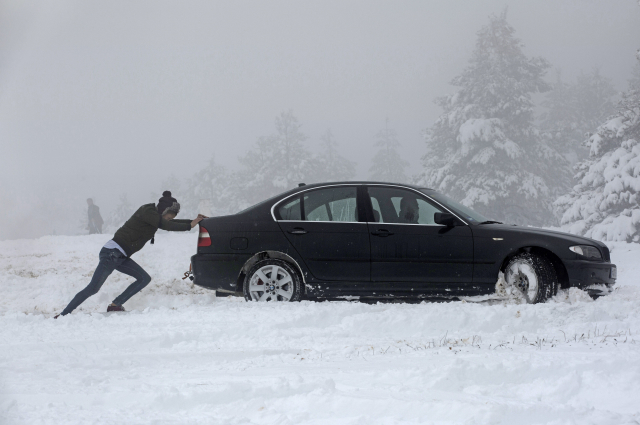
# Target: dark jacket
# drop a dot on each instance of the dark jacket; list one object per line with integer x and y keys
{"x": 94, "y": 215}
{"x": 142, "y": 226}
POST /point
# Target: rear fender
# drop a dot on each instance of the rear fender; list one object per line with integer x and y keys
{"x": 264, "y": 255}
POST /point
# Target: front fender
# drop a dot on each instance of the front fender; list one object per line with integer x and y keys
{"x": 493, "y": 246}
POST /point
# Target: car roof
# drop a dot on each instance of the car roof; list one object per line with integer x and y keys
{"x": 361, "y": 182}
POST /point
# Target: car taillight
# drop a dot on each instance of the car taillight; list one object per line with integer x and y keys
{"x": 204, "y": 239}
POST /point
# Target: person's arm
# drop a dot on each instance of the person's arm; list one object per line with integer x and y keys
{"x": 175, "y": 225}
{"x": 180, "y": 225}
{"x": 184, "y": 220}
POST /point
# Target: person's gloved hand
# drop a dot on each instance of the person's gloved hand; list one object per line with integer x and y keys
{"x": 198, "y": 220}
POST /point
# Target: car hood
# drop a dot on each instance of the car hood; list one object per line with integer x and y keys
{"x": 578, "y": 240}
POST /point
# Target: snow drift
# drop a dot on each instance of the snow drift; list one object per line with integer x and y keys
{"x": 182, "y": 356}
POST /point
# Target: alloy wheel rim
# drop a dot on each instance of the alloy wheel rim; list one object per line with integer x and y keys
{"x": 522, "y": 276}
{"x": 271, "y": 283}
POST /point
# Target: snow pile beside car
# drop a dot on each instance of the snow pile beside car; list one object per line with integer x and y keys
{"x": 181, "y": 356}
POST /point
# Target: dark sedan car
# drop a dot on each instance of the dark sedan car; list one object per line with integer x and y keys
{"x": 383, "y": 240}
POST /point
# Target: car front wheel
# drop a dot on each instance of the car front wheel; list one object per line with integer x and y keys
{"x": 272, "y": 280}
{"x": 533, "y": 275}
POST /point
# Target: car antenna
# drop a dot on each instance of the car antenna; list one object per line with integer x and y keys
{"x": 301, "y": 184}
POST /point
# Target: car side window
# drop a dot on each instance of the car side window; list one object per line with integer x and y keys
{"x": 290, "y": 210}
{"x": 401, "y": 206}
{"x": 377, "y": 214}
{"x": 331, "y": 204}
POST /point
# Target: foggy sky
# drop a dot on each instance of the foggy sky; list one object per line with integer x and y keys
{"x": 111, "y": 97}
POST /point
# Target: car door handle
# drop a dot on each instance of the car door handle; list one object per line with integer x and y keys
{"x": 383, "y": 233}
{"x": 297, "y": 231}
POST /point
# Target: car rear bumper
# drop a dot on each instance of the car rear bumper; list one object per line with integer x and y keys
{"x": 218, "y": 271}
{"x": 585, "y": 274}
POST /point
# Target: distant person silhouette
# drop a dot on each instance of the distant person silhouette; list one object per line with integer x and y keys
{"x": 95, "y": 219}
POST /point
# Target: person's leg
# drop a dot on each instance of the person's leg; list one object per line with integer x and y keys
{"x": 109, "y": 260}
{"x": 134, "y": 270}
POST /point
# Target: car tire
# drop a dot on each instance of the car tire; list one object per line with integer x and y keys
{"x": 533, "y": 275}
{"x": 259, "y": 284}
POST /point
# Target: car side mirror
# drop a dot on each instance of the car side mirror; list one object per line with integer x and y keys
{"x": 446, "y": 219}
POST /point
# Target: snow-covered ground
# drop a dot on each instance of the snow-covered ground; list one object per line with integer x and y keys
{"x": 183, "y": 357}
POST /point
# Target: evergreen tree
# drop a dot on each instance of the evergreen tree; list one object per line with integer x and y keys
{"x": 387, "y": 164}
{"x": 173, "y": 185}
{"x": 277, "y": 162}
{"x": 595, "y": 98}
{"x": 575, "y": 109}
{"x": 484, "y": 149}
{"x": 120, "y": 214}
{"x": 557, "y": 121}
{"x": 329, "y": 164}
{"x": 634, "y": 82}
{"x": 605, "y": 204}
{"x": 211, "y": 191}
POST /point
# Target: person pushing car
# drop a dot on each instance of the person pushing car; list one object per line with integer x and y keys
{"x": 129, "y": 239}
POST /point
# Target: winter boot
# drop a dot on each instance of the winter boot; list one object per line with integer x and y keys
{"x": 114, "y": 307}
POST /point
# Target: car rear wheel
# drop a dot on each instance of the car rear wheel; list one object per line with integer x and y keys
{"x": 272, "y": 280}
{"x": 533, "y": 275}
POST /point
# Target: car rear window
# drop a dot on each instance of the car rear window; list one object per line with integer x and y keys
{"x": 325, "y": 204}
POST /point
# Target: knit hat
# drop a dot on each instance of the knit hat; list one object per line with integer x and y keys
{"x": 168, "y": 203}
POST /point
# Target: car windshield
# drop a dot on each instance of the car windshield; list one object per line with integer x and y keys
{"x": 455, "y": 206}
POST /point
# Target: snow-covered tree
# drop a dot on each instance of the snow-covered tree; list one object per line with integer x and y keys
{"x": 277, "y": 162}
{"x": 387, "y": 164}
{"x": 605, "y": 204}
{"x": 211, "y": 191}
{"x": 573, "y": 110}
{"x": 329, "y": 164}
{"x": 557, "y": 121}
{"x": 120, "y": 214}
{"x": 595, "y": 97}
{"x": 634, "y": 82}
{"x": 484, "y": 149}
{"x": 173, "y": 184}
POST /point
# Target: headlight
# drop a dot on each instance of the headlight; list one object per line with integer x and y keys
{"x": 587, "y": 251}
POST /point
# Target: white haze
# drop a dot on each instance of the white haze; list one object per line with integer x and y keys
{"x": 103, "y": 98}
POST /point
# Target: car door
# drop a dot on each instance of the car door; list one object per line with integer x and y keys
{"x": 408, "y": 246}
{"x": 323, "y": 226}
